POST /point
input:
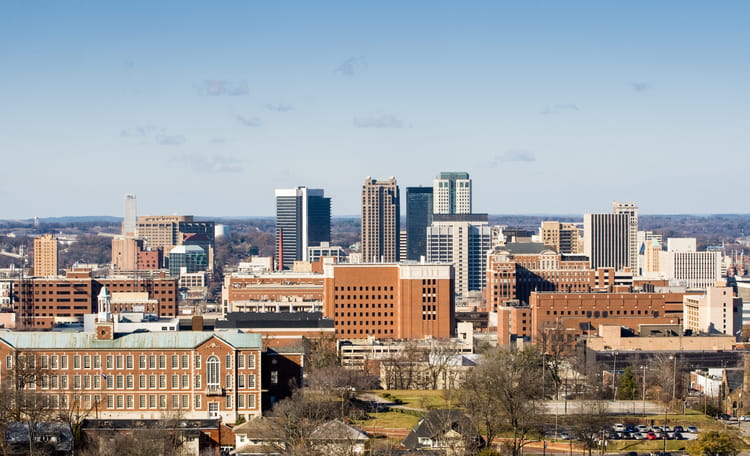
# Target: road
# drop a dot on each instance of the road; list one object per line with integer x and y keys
{"x": 614, "y": 407}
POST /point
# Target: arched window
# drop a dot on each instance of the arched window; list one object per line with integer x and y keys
{"x": 212, "y": 371}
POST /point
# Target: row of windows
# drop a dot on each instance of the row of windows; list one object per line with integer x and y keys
{"x": 363, "y": 297}
{"x": 150, "y": 382}
{"x": 362, "y": 314}
{"x": 365, "y": 288}
{"x": 364, "y": 331}
{"x": 604, "y": 313}
{"x": 124, "y": 361}
{"x": 364, "y": 323}
{"x": 362, "y": 305}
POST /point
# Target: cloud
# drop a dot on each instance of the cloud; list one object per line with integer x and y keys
{"x": 350, "y": 66}
{"x": 138, "y": 132}
{"x": 215, "y": 88}
{"x": 514, "y": 155}
{"x": 209, "y": 163}
{"x": 248, "y": 121}
{"x": 560, "y": 108}
{"x": 640, "y": 86}
{"x": 169, "y": 140}
{"x": 378, "y": 121}
{"x": 149, "y": 133}
{"x": 279, "y": 107}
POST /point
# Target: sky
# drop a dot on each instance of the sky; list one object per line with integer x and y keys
{"x": 204, "y": 108}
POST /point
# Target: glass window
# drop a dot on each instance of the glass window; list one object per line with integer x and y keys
{"x": 212, "y": 371}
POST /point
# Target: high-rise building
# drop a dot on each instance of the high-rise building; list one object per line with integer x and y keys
{"x": 452, "y": 193}
{"x": 381, "y": 214}
{"x": 303, "y": 219}
{"x": 611, "y": 240}
{"x": 462, "y": 240}
{"x": 128, "y": 223}
{"x": 168, "y": 231}
{"x": 418, "y": 218}
{"x": 631, "y": 210}
{"x": 564, "y": 237}
{"x": 45, "y": 256}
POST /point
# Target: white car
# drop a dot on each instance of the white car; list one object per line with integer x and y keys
{"x": 619, "y": 427}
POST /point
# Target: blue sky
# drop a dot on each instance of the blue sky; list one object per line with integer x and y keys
{"x": 204, "y": 108}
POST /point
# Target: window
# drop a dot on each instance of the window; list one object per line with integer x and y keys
{"x": 120, "y": 401}
{"x": 44, "y": 362}
{"x": 86, "y": 362}
{"x": 162, "y": 381}
{"x": 110, "y": 381}
{"x": 110, "y": 401}
{"x": 129, "y": 402}
{"x": 185, "y": 381}
{"x": 175, "y": 402}
{"x": 175, "y": 381}
{"x": 251, "y": 381}
{"x": 197, "y": 401}
{"x": 152, "y": 381}
{"x": 251, "y": 361}
{"x": 141, "y": 401}
{"x": 152, "y": 401}
{"x": 274, "y": 377}
{"x": 77, "y": 362}
{"x": 97, "y": 382}
{"x": 76, "y": 382}
{"x": 129, "y": 381}
{"x": 87, "y": 382}
{"x": 120, "y": 381}
{"x": 197, "y": 381}
{"x": 185, "y": 401}
{"x": 240, "y": 362}
{"x": 108, "y": 362}
{"x": 250, "y": 401}
{"x": 240, "y": 381}
{"x": 162, "y": 401}
{"x": 228, "y": 361}
{"x": 53, "y": 362}
{"x": 185, "y": 362}
{"x": 175, "y": 362}
{"x": 212, "y": 371}
{"x": 152, "y": 362}
{"x": 162, "y": 361}
{"x": 64, "y": 362}
{"x": 142, "y": 361}
{"x": 229, "y": 402}
{"x": 240, "y": 401}
{"x": 142, "y": 382}
{"x": 97, "y": 361}
{"x": 9, "y": 362}
{"x": 129, "y": 362}
{"x": 197, "y": 361}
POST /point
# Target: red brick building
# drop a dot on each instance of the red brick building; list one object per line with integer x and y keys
{"x": 401, "y": 301}
{"x": 140, "y": 375}
{"x": 40, "y": 303}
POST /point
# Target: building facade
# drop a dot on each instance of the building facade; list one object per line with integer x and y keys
{"x": 462, "y": 240}
{"x": 452, "y": 193}
{"x": 303, "y": 219}
{"x": 390, "y": 301}
{"x": 418, "y": 218}
{"x": 715, "y": 312}
{"x": 606, "y": 240}
{"x": 563, "y": 237}
{"x": 381, "y": 221}
{"x": 45, "y": 256}
{"x": 141, "y": 375}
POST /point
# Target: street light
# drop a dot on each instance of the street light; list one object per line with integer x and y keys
{"x": 614, "y": 375}
{"x": 643, "y": 368}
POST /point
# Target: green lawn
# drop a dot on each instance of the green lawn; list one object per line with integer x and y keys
{"x": 390, "y": 420}
{"x": 421, "y": 399}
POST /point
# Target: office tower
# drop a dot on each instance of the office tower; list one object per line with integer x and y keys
{"x": 564, "y": 237}
{"x": 45, "y": 256}
{"x": 418, "y": 218}
{"x": 611, "y": 240}
{"x": 186, "y": 259}
{"x": 168, "y": 231}
{"x": 452, "y": 193}
{"x": 303, "y": 219}
{"x": 631, "y": 210}
{"x": 128, "y": 223}
{"x": 462, "y": 240}
{"x": 381, "y": 214}
{"x": 684, "y": 265}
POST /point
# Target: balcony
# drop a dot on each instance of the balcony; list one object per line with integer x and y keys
{"x": 214, "y": 390}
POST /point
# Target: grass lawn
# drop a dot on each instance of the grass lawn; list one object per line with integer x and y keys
{"x": 420, "y": 399}
{"x": 391, "y": 420}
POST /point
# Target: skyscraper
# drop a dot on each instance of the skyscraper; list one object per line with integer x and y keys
{"x": 611, "y": 240}
{"x": 303, "y": 219}
{"x": 128, "y": 223}
{"x": 418, "y": 218}
{"x": 381, "y": 213}
{"x": 45, "y": 256}
{"x": 463, "y": 240}
{"x": 631, "y": 210}
{"x": 452, "y": 193}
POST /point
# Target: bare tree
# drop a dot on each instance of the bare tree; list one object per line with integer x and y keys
{"x": 588, "y": 421}
{"x": 401, "y": 369}
{"x": 439, "y": 356}
{"x": 556, "y": 345}
{"x": 502, "y": 393}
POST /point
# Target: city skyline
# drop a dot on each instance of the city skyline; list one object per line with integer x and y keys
{"x": 552, "y": 109}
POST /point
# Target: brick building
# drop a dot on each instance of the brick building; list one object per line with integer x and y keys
{"x": 515, "y": 270}
{"x": 140, "y": 375}
{"x": 582, "y": 313}
{"x": 267, "y": 292}
{"x": 40, "y": 303}
{"x": 401, "y": 301}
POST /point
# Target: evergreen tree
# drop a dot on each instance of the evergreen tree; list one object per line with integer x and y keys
{"x": 628, "y": 385}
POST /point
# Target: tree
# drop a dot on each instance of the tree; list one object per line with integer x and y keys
{"x": 557, "y": 350}
{"x": 588, "y": 421}
{"x": 714, "y": 443}
{"x": 628, "y": 385}
{"x": 502, "y": 393}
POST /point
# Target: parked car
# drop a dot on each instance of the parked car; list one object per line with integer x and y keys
{"x": 678, "y": 428}
{"x": 692, "y": 429}
{"x": 619, "y": 427}
{"x": 639, "y": 436}
{"x": 745, "y": 418}
{"x": 651, "y": 436}
{"x": 642, "y": 428}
